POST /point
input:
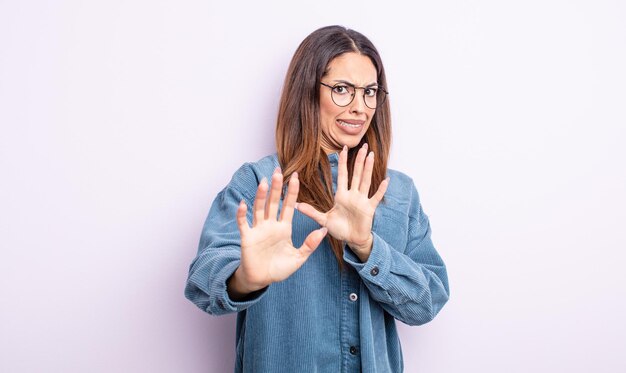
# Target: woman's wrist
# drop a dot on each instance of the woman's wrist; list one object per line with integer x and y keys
{"x": 362, "y": 250}
{"x": 236, "y": 286}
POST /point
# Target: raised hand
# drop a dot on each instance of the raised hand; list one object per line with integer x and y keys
{"x": 267, "y": 252}
{"x": 350, "y": 219}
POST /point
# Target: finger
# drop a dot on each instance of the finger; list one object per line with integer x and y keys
{"x": 290, "y": 200}
{"x": 258, "y": 212}
{"x": 382, "y": 188}
{"x": 312, "y": 241}
{"x": 367, "y": 174}
{"x": 312, "y": 213}
{"x": 358, "y": 167}
{"x": 342, "y": 171}
{"x": 271, "y": 212}
{"x": 242, "y": 222}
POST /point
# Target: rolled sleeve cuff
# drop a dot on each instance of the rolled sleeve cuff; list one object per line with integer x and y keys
{"x": 229, "y": 305}
{"x": 376, "y": 269}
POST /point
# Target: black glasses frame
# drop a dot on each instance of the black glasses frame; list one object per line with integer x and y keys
{"x": 378, "y": 87}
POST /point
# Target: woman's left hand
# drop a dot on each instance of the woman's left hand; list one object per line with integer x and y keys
{"x": 350, "y": 220}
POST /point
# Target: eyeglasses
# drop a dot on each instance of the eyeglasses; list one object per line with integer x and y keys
{"x": 343, "y": 94}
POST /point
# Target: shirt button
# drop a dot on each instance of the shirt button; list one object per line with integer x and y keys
{"x": 354, "y": 350}
{"x": 353, "y": 297}
{"x": 374, "y": 271}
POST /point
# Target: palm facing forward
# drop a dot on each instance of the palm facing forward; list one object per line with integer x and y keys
{"x": 267, "y": 252}
{"x": 350, "y": 219}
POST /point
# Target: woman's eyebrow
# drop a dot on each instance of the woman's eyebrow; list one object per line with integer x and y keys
{"x": 352, "y": 84}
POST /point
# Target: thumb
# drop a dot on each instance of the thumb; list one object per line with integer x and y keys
{"x": 311, "y": 212}
{"x": 312, "y": 241}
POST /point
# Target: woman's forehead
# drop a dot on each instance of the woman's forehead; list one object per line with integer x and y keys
{"x": 352, "y": 67}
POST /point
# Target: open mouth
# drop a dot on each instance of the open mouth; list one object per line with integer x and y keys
{"x": 349, "y": 125}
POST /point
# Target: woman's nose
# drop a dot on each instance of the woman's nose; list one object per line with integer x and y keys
{"x": 358, "y": 104}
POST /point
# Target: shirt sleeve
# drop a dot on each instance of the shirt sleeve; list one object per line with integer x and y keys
{"x": 219, "y": 252}
{"x": 409, "y": 283}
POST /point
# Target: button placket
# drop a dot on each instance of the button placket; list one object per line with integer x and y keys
{"x": 350, "y": 334}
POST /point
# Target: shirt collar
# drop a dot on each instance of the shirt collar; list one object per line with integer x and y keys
{"x": 333, "y": 158}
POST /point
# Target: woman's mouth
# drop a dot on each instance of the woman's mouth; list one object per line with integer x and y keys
{"x": 350, "y": 124}
{"x": 350, "y": 127}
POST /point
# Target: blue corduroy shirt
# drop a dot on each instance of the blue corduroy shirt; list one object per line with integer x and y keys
{"x": 322, "y": 319}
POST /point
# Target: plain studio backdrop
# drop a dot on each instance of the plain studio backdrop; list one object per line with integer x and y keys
{"x": 121, "y": 121}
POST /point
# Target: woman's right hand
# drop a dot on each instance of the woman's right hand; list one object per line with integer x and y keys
{"x": 267, "y": 252}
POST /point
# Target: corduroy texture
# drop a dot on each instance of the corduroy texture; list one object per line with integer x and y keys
{"x": 321, "y": 319}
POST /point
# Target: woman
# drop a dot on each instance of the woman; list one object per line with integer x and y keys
{"x": 319, "y": 283}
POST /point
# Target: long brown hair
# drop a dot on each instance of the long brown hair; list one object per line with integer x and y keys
{"x": 298, "y": 130}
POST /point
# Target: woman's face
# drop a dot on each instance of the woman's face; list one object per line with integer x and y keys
{"x": 346, "y": 125}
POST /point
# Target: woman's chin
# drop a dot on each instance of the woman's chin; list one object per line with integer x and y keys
{"x": 353, "y": 141}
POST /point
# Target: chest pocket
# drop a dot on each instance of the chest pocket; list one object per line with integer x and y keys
{"x": 392, "y": 226}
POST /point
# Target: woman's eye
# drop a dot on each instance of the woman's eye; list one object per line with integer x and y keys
{"x": 371, "y": 92}
{"x": 340, "y": 89}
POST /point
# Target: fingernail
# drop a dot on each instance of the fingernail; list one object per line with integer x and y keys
{"x": 264, "y": 180}
{"x": 296, "y": 206}
{"x": 345, "y": 148}
{"x": 277, "y": 169}
{"x": 324, "y": 230}
{"x": 365, "y": 145}
{"x": 371, "y": 154}
{"x": 295, "y": 174}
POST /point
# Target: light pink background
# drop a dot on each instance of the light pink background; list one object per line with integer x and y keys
{"x": 121, "y": 120}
